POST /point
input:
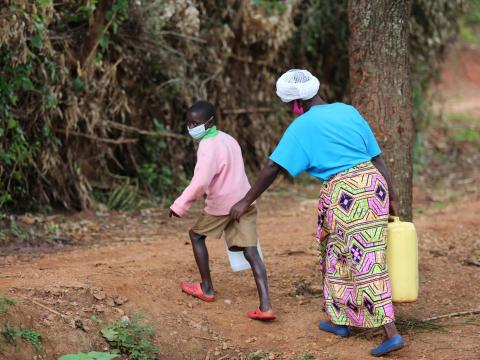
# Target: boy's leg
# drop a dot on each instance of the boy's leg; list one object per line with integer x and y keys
{"x": 260, "y": 275}
{"x": 201, "y": 257}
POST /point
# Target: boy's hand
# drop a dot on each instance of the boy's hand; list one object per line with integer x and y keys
{"x": 239, "y": 209}
{"x": 173, "y": 214}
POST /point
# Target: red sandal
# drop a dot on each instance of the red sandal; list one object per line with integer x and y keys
{"x": 260, "y": 315}
{"x": 195, "y": 290}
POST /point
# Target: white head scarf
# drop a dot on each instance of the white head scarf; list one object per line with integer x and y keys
{"x": 297, "y": 84}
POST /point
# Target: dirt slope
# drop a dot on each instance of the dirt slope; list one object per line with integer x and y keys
{"x": 147, "y": 274}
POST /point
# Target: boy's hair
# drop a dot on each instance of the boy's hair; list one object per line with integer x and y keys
{"x": 204, "y": 107}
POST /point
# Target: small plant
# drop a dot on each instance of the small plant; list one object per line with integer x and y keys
{"x": 416, "y": 325}
{"x": 11, "y": 333}
{"x": 96, "y": 319}
{"x": 304, "y": 288}
{"x": 5, "y": 303}
{"x": 123, "y": 197}
{"x": 93, "y": 355}
{"x": 258, "y": 355}
{"x": 131, "y": 338}
{"x": 271, "y": 6}
{"x": 306, "y": 357}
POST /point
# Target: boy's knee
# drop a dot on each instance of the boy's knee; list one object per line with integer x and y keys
{"x": 251, "y": 253}
{"x": 194, "y": 236}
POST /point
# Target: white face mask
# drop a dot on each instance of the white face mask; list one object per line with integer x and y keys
{"x": 199, "y": 131}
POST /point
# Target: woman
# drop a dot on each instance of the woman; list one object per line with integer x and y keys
{"x": 334, "y": 143}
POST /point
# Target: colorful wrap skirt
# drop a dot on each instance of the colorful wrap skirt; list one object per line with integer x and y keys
{"x": 352, "y": 230}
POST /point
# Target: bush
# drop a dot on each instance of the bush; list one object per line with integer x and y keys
{"x": 131, "y": 338}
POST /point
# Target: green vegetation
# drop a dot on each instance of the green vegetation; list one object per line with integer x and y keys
{"x": 5, "y": 304}
{"x": 306, "y": 357}
{"x": 270, "y": 6}
{"x": 96, "y": 319}
{"x": 258, "y": 355}
{"x": 123, "y": 197}
{"x": 131, "y": 338}
{"x": 77, "y": 133}
{"x": 463, "y": 127}
{"x": 93, "y": 355}
{"x": 11, "y": 333}
{"x": 416, "y": 325}
{"x": 470, "y": 23}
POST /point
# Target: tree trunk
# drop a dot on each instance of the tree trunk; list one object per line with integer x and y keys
{"x": 380, "y": 85}
{"x": 96, "y": 29}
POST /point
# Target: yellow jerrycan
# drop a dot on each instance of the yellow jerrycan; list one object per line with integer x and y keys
{"x": 402, "y": 260}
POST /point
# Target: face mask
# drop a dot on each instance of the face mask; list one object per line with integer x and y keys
{"x": 197, "y": 132}
{"x": 296, "y": 108}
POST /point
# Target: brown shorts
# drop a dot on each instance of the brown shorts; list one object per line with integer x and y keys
{"x": 237, "y": 234}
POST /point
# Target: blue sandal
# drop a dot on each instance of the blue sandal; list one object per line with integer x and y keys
{"x": 392, "y": 344}
{"x": 339, "y": 330}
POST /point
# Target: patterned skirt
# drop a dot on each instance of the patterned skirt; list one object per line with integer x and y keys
{"x": 352, "y": 230}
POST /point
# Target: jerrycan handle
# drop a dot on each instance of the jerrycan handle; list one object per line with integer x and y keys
{"x": 392, "y": 218}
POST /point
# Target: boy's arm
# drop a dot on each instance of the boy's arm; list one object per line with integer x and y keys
{"x": 378, "y": 162}
{"x": 205, "y": 169}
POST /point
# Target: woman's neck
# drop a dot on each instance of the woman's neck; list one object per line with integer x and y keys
{"x": 316, "y": 100}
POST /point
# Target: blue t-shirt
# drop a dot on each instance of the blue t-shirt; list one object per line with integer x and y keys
{"x": 326, "y": 140}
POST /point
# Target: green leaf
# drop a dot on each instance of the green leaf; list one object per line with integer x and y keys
{"x": 13, "y": 99}
{"x": 51, "y": 101}
{"x": 102, "y": 355}
{"x": 26, "y": 84}
{"x": 93, "y": 355}
{"x": 37, "y": 41}
{"x": 42, "y": 4}
{"x": 104, "y": 41}
{"x": 78, "y": 84}
{"x": 79, "y": 356}
{"x": 39, "y": 25}
{"x": 11, "y": 123}
{"x": 109, "y": 333}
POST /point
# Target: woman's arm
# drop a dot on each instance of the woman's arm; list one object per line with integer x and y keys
{"x": 266, "y": 177}
{"x": 378, "y": 162}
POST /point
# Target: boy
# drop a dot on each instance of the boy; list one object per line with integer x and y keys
{"x": 220, "y": 174}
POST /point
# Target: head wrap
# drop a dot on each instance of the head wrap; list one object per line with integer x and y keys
{"x": 297, "y": 84}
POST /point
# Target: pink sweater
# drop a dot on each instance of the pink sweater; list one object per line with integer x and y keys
{"x": 219, "y": 173}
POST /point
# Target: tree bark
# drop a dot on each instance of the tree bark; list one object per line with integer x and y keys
{"x": 380, "y": 85}
{"x": 95, "y": 32}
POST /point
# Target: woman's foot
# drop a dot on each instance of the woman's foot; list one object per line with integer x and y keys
{"x": 392, "y": 344}
{"x": 339, "y": 330}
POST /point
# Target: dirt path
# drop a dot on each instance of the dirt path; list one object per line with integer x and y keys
{"x": 148, "y": 273}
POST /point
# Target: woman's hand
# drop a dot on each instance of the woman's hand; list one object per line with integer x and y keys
{"x": 239, "y": 209}
{"x": 264, "y": 180}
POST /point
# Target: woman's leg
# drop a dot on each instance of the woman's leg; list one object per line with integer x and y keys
{"x": 201, "y": 257}
{"x": 390, "y": 330}
{"x": 394, "y": 341}
{"x": 260, "y": 276}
